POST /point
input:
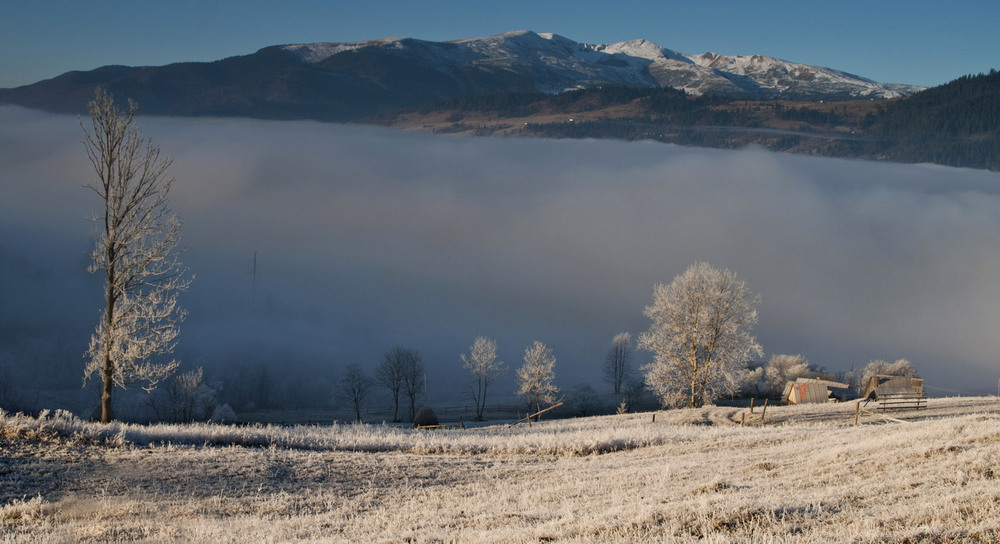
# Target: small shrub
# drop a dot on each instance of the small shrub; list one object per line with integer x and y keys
{"x": 223, "y": 413}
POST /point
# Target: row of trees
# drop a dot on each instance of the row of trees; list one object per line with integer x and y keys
{"x": 402, "y": 370}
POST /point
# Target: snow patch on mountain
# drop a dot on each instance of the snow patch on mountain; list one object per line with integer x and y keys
{"x": 555, "y": 63}
{"x": 312, "y": 53}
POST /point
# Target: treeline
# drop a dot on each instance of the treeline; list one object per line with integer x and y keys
{"x": 956, "y": 124}
{"x": 663, "y": 104}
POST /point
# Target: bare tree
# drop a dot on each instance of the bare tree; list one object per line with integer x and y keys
{"x": 633, "y": 392}
{"x": 482, "y": 362}
{"x": 616, "y": 364}
{"x": 138, "y": 251}
{"x": 413, "y": 374}
{"x": 389, "y": 374}
{"x": 354, "y": 386}
{"x": 700, "y": 334}
{"x": 534, "y": 378}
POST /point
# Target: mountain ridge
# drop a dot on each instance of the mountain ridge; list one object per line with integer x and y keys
{"x": 348, "y": 81}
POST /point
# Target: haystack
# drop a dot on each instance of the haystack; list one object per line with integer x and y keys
{"x": 425, "y": 417}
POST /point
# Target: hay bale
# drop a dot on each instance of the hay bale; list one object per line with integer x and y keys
{"x": 425, "y": 417}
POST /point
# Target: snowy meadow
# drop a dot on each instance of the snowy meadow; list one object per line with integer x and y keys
{"x": 804, "y": 474}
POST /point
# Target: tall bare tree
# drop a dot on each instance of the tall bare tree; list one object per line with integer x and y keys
{"x": 413, "y": 377}
{"x": 400, "y": 372}
{"x": 138, "y": 250}
{"x": 482, "y": 362}
{"x": 616, "y": 363}
{"x": 700, "y": 334}
{"x": 389, "y": 374}
{"x": 354, "y": 386}
{"x": 534, "y": 378}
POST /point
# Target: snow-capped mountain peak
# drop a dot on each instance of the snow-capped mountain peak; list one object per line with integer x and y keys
{"x": 554, "y": 63}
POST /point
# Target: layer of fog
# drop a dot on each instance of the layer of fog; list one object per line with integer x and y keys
{"x": 366, "y": 237}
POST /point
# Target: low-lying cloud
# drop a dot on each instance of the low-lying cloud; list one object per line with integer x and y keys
{"x": 365, "y": 237}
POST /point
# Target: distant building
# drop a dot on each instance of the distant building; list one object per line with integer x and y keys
{"x": 810, "y": 390}
{"x": 881, "y": 386}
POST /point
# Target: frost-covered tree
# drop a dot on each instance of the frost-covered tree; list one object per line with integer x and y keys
{"x": 901, "y": 367}
{"x": 354, "y": 387}
{"x": 137, "y": 251}
{"x": 534, "y": 378}
{"x": 700, "y": 335}
{"x": 618, "y": 360}
{"x": 482, "y": 362}
{"x": 748, "y": 381}
{"x": 188, "y": 398}
{"x": 781, "y": 369}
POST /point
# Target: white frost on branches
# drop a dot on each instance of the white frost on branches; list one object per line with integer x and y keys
{"x": 534, "y": 378}
{"x": 482, "y": 362}
{"x": 782, "y": 369}
{"x": 138, "y": 250}
{"x": 901, "y": 367}
{"x": 701, "y": 333}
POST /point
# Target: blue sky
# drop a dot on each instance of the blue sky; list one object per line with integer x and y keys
{"x": 917, "y": 42}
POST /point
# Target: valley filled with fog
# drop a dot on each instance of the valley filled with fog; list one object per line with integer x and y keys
{"x": 319, "y": 245}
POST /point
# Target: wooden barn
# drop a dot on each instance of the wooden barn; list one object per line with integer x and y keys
{"x": 895, "y": 392}
{"x": 810, "y": 390}
{"x": 881, "y": 385}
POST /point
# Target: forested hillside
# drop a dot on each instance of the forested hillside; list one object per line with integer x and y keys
{"x": 957, "y": 124}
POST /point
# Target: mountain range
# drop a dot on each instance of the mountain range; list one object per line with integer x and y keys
{"x": 356, "y": 80}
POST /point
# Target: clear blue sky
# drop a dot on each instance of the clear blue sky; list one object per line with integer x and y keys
{"x": 918, "y": 41}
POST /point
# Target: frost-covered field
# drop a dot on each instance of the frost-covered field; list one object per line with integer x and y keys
{"x": 805, "y": 475}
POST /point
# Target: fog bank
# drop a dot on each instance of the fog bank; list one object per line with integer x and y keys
{"x": 366, "y": 237}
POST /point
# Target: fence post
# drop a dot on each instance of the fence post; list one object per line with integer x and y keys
{"x": 763, "y": 413}
{"x": 751, "y": 405}
{"x": 857, "y": 412}
{"x": 743, "y": 418}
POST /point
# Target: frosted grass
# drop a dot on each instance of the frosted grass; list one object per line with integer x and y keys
{"x": 805, "y": 475}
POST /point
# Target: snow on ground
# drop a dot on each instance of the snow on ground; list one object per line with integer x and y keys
{"x": 805, "y": 474}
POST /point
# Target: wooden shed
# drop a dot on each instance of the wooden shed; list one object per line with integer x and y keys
{"x": 880, "y": 385}
{"x": 895, "y": 392}
{"x": 810, "y": 390}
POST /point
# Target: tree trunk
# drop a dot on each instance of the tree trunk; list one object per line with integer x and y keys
{"x": 106, "y": 414}
{"x": 482, "y": 404}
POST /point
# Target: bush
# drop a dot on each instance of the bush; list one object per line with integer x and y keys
{"x": 223, "y": 413}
